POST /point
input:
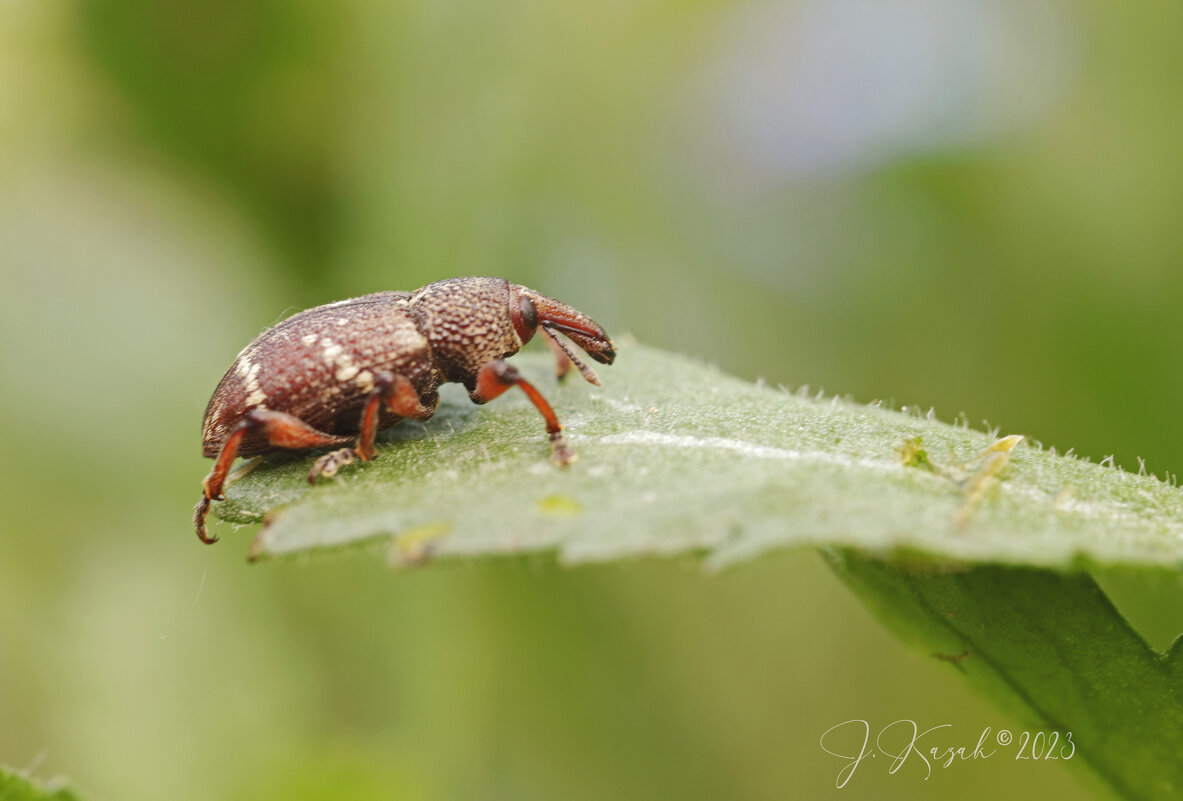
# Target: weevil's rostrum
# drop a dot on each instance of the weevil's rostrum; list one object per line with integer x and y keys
{"x": 337, "y": 374}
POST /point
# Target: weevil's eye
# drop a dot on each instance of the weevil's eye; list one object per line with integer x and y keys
{"x": 525, "y": 318}
{"x": 529, "y": 313}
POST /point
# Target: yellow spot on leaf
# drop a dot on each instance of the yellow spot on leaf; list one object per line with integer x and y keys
{"x": 559, "y": 506}
{"x": 912, "y": 454}
{"x": 414, "y": 547}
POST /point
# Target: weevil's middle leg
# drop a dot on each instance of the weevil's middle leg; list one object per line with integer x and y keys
{"x": 395, "y": 393}
{"x": 328, "y": 464}
{"x": 496, "y": 377}
{"x": 282, "y": 430}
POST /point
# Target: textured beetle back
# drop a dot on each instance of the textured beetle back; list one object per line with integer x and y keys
{"x": 467, "y": 322}
{"x": 320, "y": 365}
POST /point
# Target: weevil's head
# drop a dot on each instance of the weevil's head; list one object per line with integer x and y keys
{"x": 530, "y": 310}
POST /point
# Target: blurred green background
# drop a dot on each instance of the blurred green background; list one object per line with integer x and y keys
{"x": 972, "y": 205}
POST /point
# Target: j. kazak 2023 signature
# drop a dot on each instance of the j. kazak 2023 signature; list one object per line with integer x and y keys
{"x": 904, "y": 742}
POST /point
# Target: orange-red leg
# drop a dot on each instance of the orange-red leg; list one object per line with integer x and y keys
{"x": 282, "y": 430}
{"x": 399, "y": 396}
{"x": 496, "y": 377}
{"x": 403, "y": 399}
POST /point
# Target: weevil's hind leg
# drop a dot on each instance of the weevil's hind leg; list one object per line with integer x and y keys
{"x": 330, "y": 463}
{"x": 398, "y": 395}
{"x": 496, "y": 377}
{"x": 199, "y": 513}
{"x": 282, "y": 430}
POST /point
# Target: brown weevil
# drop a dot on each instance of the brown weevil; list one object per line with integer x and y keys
{"x": 337, "y": 374}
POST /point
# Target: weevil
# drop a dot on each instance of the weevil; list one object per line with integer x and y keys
{"x": 336, "y": 374}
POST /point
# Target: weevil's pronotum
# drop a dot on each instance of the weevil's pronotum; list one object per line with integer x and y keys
{"x": 337, "y": 374}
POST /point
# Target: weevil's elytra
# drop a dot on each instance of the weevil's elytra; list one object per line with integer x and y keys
{"x": 339, "y": 373}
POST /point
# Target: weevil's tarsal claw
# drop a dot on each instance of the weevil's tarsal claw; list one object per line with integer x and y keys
{"x": 560, "y": 453}
{"x": 588, "y": 373}
{"x": 199, "y": 513}
{"x": 330, "y": 463}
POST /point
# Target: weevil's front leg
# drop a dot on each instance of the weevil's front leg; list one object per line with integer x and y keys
{"x": 398, "y": 395}
{"x": 496, "y": 377}
{"x": 282, "y": 430}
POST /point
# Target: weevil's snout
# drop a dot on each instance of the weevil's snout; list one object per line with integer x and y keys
{"x": 576, "y": 326}
{"x": 595, "y": 342}
{"x": 599, "y": 348}
{"x": 555, "y": 318}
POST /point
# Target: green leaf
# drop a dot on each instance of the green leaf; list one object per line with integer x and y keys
{"x": 675, "y": 456}
{"x": 14, "y": 787}
{"x": 1052, "y": 647}
{"x": 951, "y": 535}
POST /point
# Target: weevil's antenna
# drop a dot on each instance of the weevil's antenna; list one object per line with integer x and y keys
{"x": 588, "y": 373}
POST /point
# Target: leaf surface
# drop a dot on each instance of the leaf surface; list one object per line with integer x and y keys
{"x": 968, "y": 545}
{"x": 675, "y": 456}
{"x": 1051, "y": 647}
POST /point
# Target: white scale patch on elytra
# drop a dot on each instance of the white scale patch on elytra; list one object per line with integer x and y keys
{"x": 335, "y": 356}
{"x": 250, "y": 372}
{"x": 330, "y": 350}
